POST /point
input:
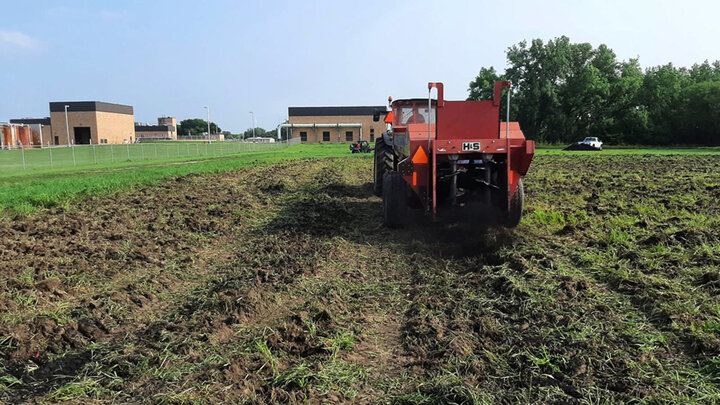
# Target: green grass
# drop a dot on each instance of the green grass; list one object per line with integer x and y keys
{"x": 85, "y": 156}
{"x": 27, "y": 191}
{"x": 105, "y": 156}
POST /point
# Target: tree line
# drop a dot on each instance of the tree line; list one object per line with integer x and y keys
{"x": 564, "y": 91}
{"x": 196, "y": 127}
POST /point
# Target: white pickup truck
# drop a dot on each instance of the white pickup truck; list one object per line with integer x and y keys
{"x": 592, "y": 141}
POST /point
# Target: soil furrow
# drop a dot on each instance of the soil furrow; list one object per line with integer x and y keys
{"x": 278, "y": 284}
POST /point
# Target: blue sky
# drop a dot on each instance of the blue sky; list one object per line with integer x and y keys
{"x": 174, "y": 57}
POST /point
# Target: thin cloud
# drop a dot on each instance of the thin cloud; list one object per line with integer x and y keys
{"x": 15, "y": 40}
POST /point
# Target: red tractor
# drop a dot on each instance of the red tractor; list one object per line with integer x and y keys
{"x": 452, "y": 155}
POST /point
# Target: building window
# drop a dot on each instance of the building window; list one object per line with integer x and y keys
{"x": 326, "y": 136}
{"x": 303, "y": 136}
{"x": 57, "y": 140}
{"x": 372, "y": 134}
{"x": 349, "y": 136}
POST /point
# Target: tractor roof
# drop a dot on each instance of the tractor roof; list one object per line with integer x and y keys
{"x": 413, "y": 100}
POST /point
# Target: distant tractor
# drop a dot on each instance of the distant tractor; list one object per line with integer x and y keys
{"x": 360, "y": 147}
{"x": 442, "y": 156}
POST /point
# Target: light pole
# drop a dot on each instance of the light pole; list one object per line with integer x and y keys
{"x": 253, "y": 122}
{"x": 208, "y": 120}
{"x": 67, "y": 125}
{"x": 67, "y": 132}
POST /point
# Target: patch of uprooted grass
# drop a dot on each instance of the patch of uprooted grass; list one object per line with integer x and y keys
{"x": 646, "y": 260}
{"x": 336, "y": 378}
{"x": 607, "y": 292}
{"x": 600, "y": 314}
{"x": 248, "y": 322}
{"x": 600, "y": 311}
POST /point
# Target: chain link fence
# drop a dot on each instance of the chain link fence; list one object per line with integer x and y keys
{"x": 88, "y": 155}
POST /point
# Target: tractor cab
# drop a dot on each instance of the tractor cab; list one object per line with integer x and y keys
{"x": 410, "y": 119}
{"x": 412, "y": 111}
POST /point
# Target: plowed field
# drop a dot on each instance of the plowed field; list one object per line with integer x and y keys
{"x": 278, "y": 284}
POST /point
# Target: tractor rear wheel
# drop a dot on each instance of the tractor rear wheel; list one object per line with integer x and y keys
{"x": 394, "y": 200}
{"x": 516, "y": 206}
{"x": 383, "y": 163}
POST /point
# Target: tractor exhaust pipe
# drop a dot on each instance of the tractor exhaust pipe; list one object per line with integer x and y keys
{"x": 428, "y": 120}
{"x": 438, "y": 104}
{"x": 507, "y": 122}
{"x": 496, "y": 102}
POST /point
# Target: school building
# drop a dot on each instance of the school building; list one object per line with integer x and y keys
{"x": 334, "y": 124}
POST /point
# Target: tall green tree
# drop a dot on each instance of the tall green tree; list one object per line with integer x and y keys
{"x": 564, "y": 91}
{"x": 660, "y": 95}
{"x": 627, "y": 119}
{"x": 483, "y": 86}
{"x": 705, "y": 72}
{"x": 258, "y": 132}
{"x": 700, "y": 112}
{"x": 195, "y": 127}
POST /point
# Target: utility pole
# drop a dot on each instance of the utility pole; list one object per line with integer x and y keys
{"x": 67, "y": 132}
{"x": 253, "y": 122}
{"x": 67, "y": 125}
{"x": 208, "y": 120}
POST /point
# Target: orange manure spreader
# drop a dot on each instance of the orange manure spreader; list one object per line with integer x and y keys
{"x": 451, "y": 157}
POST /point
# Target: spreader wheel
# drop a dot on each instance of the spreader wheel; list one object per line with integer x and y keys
{"x": 516, "y": 206}
{"x": 383, "y": 163}
{"x": 394, "y": 191}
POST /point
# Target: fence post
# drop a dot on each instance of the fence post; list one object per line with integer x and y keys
{"x": 127, "y": 146}
{"x": 51, "y": 161}
{"x": 23, "y": 154}
{"x": 142, "y": 151}
{"x": 112, "y": 154}
{"x": 156, "y": 151}
{"x": 197, "y": 149}
{"x": 188, "y": 148}
{"x": 94, "y": 155}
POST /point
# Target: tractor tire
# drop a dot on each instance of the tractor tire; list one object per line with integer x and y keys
{"x": 394, "y": 200}
{"x": 517, "y": 204}
{"x": 383, "y": 160}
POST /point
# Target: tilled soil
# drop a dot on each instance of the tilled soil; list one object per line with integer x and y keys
{"x": 278, "y": 284}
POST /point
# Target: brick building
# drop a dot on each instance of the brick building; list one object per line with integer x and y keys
{"x": 166, "y": 129}
{"x": 334, "y": 124}
{"x": 88, "y": 122}
{"x": 91, "y": 122}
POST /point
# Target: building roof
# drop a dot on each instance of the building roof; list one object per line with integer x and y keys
{"x": 31, "y": 121}
{"x": 331, "y": 111}
{"x": 154, "y": 128}
{"x": 75, "y": 106}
